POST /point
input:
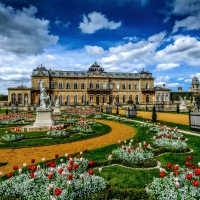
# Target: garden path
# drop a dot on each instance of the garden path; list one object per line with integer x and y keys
{"x": 24, "y": 155}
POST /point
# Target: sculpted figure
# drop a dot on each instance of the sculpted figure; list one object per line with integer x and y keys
{"x": 44, "y": 98}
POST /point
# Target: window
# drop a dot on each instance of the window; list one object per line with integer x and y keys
{"x": 38, "y": 99}
{"x": 60, "y": 85}
{"x": 117, "y": 86}
{"x": 163, "y": 97}
{"x": 110, "y": 98}
{"x": 19, "y": 98}
{"x": 39, "y": 84}
{"x": 75, "y": 98}
{"x": 130, "y": 86}
{"x": 91, "y": 85}
{"x": 147, "y": 85}
{"x": 117, "y": 98}
{"x": 167, "y": 97}
{"x": 130, "y": 97}
{"x": 91, "y": 97}
{"x": 97, "y": 85}
{"x": 52, "y": 98}
{"x": 82, "y": 85}
{"x": 136, "y": 86}
{"x": 75, "y": 85}
{"x": 104, "y": 85}
{"x": 60, "y": 99}
{"x": 13, "y": 98}
{"x": 147, "y": 98}
{"x": 52, "y": 85}
{"x": 111, "y": 85}
{"x": 97, "y": 99}
{"x": 123, "y": 86}
{"x": 68, "y": 85}
{"x": 124, "y": 98}
{"x": 83, "y": 98}
{"x": 158, "y": 97}
{"x": 136, "y": 98}
{"x": 104, "y": 98}
{"x": 68, "y": 99}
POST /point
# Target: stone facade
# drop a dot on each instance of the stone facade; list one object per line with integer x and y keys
{"x": 94, "y": 86}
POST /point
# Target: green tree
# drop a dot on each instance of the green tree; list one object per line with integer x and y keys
{"x": 177, "y": 108}
{"x": 117, "y": 111}
{"x": 146, "y": 107}
{"x": 130, "y": 102}
{"x": 154, "y": 114}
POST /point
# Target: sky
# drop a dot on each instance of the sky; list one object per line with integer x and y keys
{"x": 161, "y": 36}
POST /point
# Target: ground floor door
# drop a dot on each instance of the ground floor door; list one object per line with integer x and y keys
{"x": 97, "y": 99}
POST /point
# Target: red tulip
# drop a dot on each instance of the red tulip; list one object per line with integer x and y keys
{"x": 33, "y": 168}
{"x": 175, "y": 167}
{"x": 192, "y": 166}
{"x": 50, "y": 176}
{"x": 60, "y": 170}
{"x": 70, "y": 167}
{"x": 187, "y": 163}
{"x": 9, "y": 175}
{"x": 189, "y": 157}
{"x": 146, "y": 144}
{"x": 169, "y": 165}
{"x": 71, "y": 162}
{"x": 32, "y": 175}
{"x": 56, "y": 155}
{"x": 53, "y": 164}
{"x": 85, "y": 150}
{"x": 188, "y": 176}
{"x": 70, "y": 176}
{"x": 57, "y": 191}
{"x": 76, "y": 166}
{"x": 129, "y": 151}
{"x": 137, "y": 140}
{"x": 124, "y": 148}
{"x": 32, "y": 160}
{"x": 15, "y": 167}
{"x": 90, "y": 172}
{"x": 162, "y": 174}
{"x": 197, "y": 172}
{"x": 91, "y": 162}
{"x": 195, "y": 183}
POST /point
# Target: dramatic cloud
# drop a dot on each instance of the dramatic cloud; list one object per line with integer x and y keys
{"x": 166, "y": 66}
{"x": 22, "y": 33}
{"x": 94, "y": 50}
{"x": 96, "y": 21}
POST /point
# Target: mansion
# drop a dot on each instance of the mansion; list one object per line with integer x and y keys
{"x": 93, "y": 87}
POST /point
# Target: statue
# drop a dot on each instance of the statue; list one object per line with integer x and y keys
{"x": 182, "y": 101}
{"x": 45, "y": 102}
{"x": 114, "y": 101}
{"x": 57, "y": 103}
{"x": 26, "y": 101}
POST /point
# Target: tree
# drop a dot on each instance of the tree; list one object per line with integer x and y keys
{"x": 146, "y": 107}
{"x": 154, "y": 114}
{"x": 177, "y": 108}
{"x": 117, "y": 111}
{"x": 130, "y": 102}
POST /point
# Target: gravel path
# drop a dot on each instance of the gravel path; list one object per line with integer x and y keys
{"x": 24, "y": 155}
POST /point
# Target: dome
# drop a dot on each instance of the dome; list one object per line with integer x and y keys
{"x": 195, "y": 80}
{"x": 95, "y": 67}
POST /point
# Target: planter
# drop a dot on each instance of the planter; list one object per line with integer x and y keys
{"x": 108, "y": 110}
{"x": 131, "y": 112}
{"x": 194, "y": 119}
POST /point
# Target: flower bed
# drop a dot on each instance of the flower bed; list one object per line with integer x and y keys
{"x": 57, "y": 132}
{"x": 11, "y": 137}
{"x": 181, "y": 183}
{"x": 67, "y": 180}
{"x": 133, "y": 153}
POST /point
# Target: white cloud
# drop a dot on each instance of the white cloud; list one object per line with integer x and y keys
{"x": 166, "y": 66}
{"x": 96, "y": 21}
{"x": 131, "y": 38}
{"x": 22, "y": 33}
{"x": 180, "y": 79}
{"x": 188, "y": 80}
{"x": 157, "y": 37}
{"x": 66, "y": 24}
{"x": 94, "y": 50}
{"x": 57, "y": 22}
{"x": 162, "y": 78}
{"x": 173, "y": 85}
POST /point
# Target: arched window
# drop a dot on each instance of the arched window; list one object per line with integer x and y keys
{"x": 104, "y": 85}
{"x": 147, "y": 85}
{"x": 91, "y": 98}
{"x": 75, "y": 98}
{"x": 75, "y": 85}
{"x": 158, "y": 97}
{"x": 52, "y": 85}
{"x": 117, "y": 98}
{"x": 91, "y": 85}
{"x": 13, "y": 98}
{"x": 136, "y": 86}
{"x": 163, "y": 97}
{"x": 117, "y": 86}
{"x": 83, "y": 98}
{"x": 20, "y": 98}
{"x": 130, "y": 86}
{"x": 147, "y": 98}
{"x": 68, "y": 85}
{"x": 123, "y": 86}
{"x": 82, "y": 85}
{"x": 111, "y": 85}
{"x": 136, "y": 98}
{"x": 52, "y": 98}
{"x": 97, "y": 85}
{"x": 111, "y": 98}
{"x": 104, "y": 98}
{"x": 60, "y": 85}
{"x": 68, "y": 99}
{"x": 130, "y": 97}
{"x": 124, "y": 98}
{"x": 60, "y": 99}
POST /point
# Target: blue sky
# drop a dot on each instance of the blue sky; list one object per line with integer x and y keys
{"x": 162, "y": 36}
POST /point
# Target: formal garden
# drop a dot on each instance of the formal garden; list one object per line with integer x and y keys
{"x": 94, "y": 155}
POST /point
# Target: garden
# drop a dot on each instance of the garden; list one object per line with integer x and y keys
{"x": 98, "y": 156}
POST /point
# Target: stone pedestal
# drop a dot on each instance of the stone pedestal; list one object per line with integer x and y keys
{"x": 182, "y": 107}
{"x": 44, "y": 118}
{"x": 56, "y": 109}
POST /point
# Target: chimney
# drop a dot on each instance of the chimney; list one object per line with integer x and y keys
{"x": 163, "y": 85}
{"x": 179, "y": 89}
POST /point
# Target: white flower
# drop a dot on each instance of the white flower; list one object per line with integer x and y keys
{"x": 63, "y": 173}
{"x": 20, "y": 170}
{"x": 100, "y": 169}
{"x": 177, "y": 185}
{"x": 66, "y": 155}
{"x": 63, "y": 165}
{"x": 81, "y": 176}
{"x": 61, "y": 160}
{"x": 43, "y": 159}
{"x": 38, "y": 167}
{"x": 125, "y": 141}
{"x": 81, "y": 153}
{"x": 24, "y": 165}
{"x": 52, "y": 169}
{"x": 199, "y": 164}
{"x": 110, "y": 157}
{"x": 69, "y": 183}
{"x": 50, "y": 186}
{"x": 71, "y": 159}
{"x": 52, "y": 198}
{"x": 131, "y": 140}
{"x": 0, "y": 173}
{"x": 81, "y": 159}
